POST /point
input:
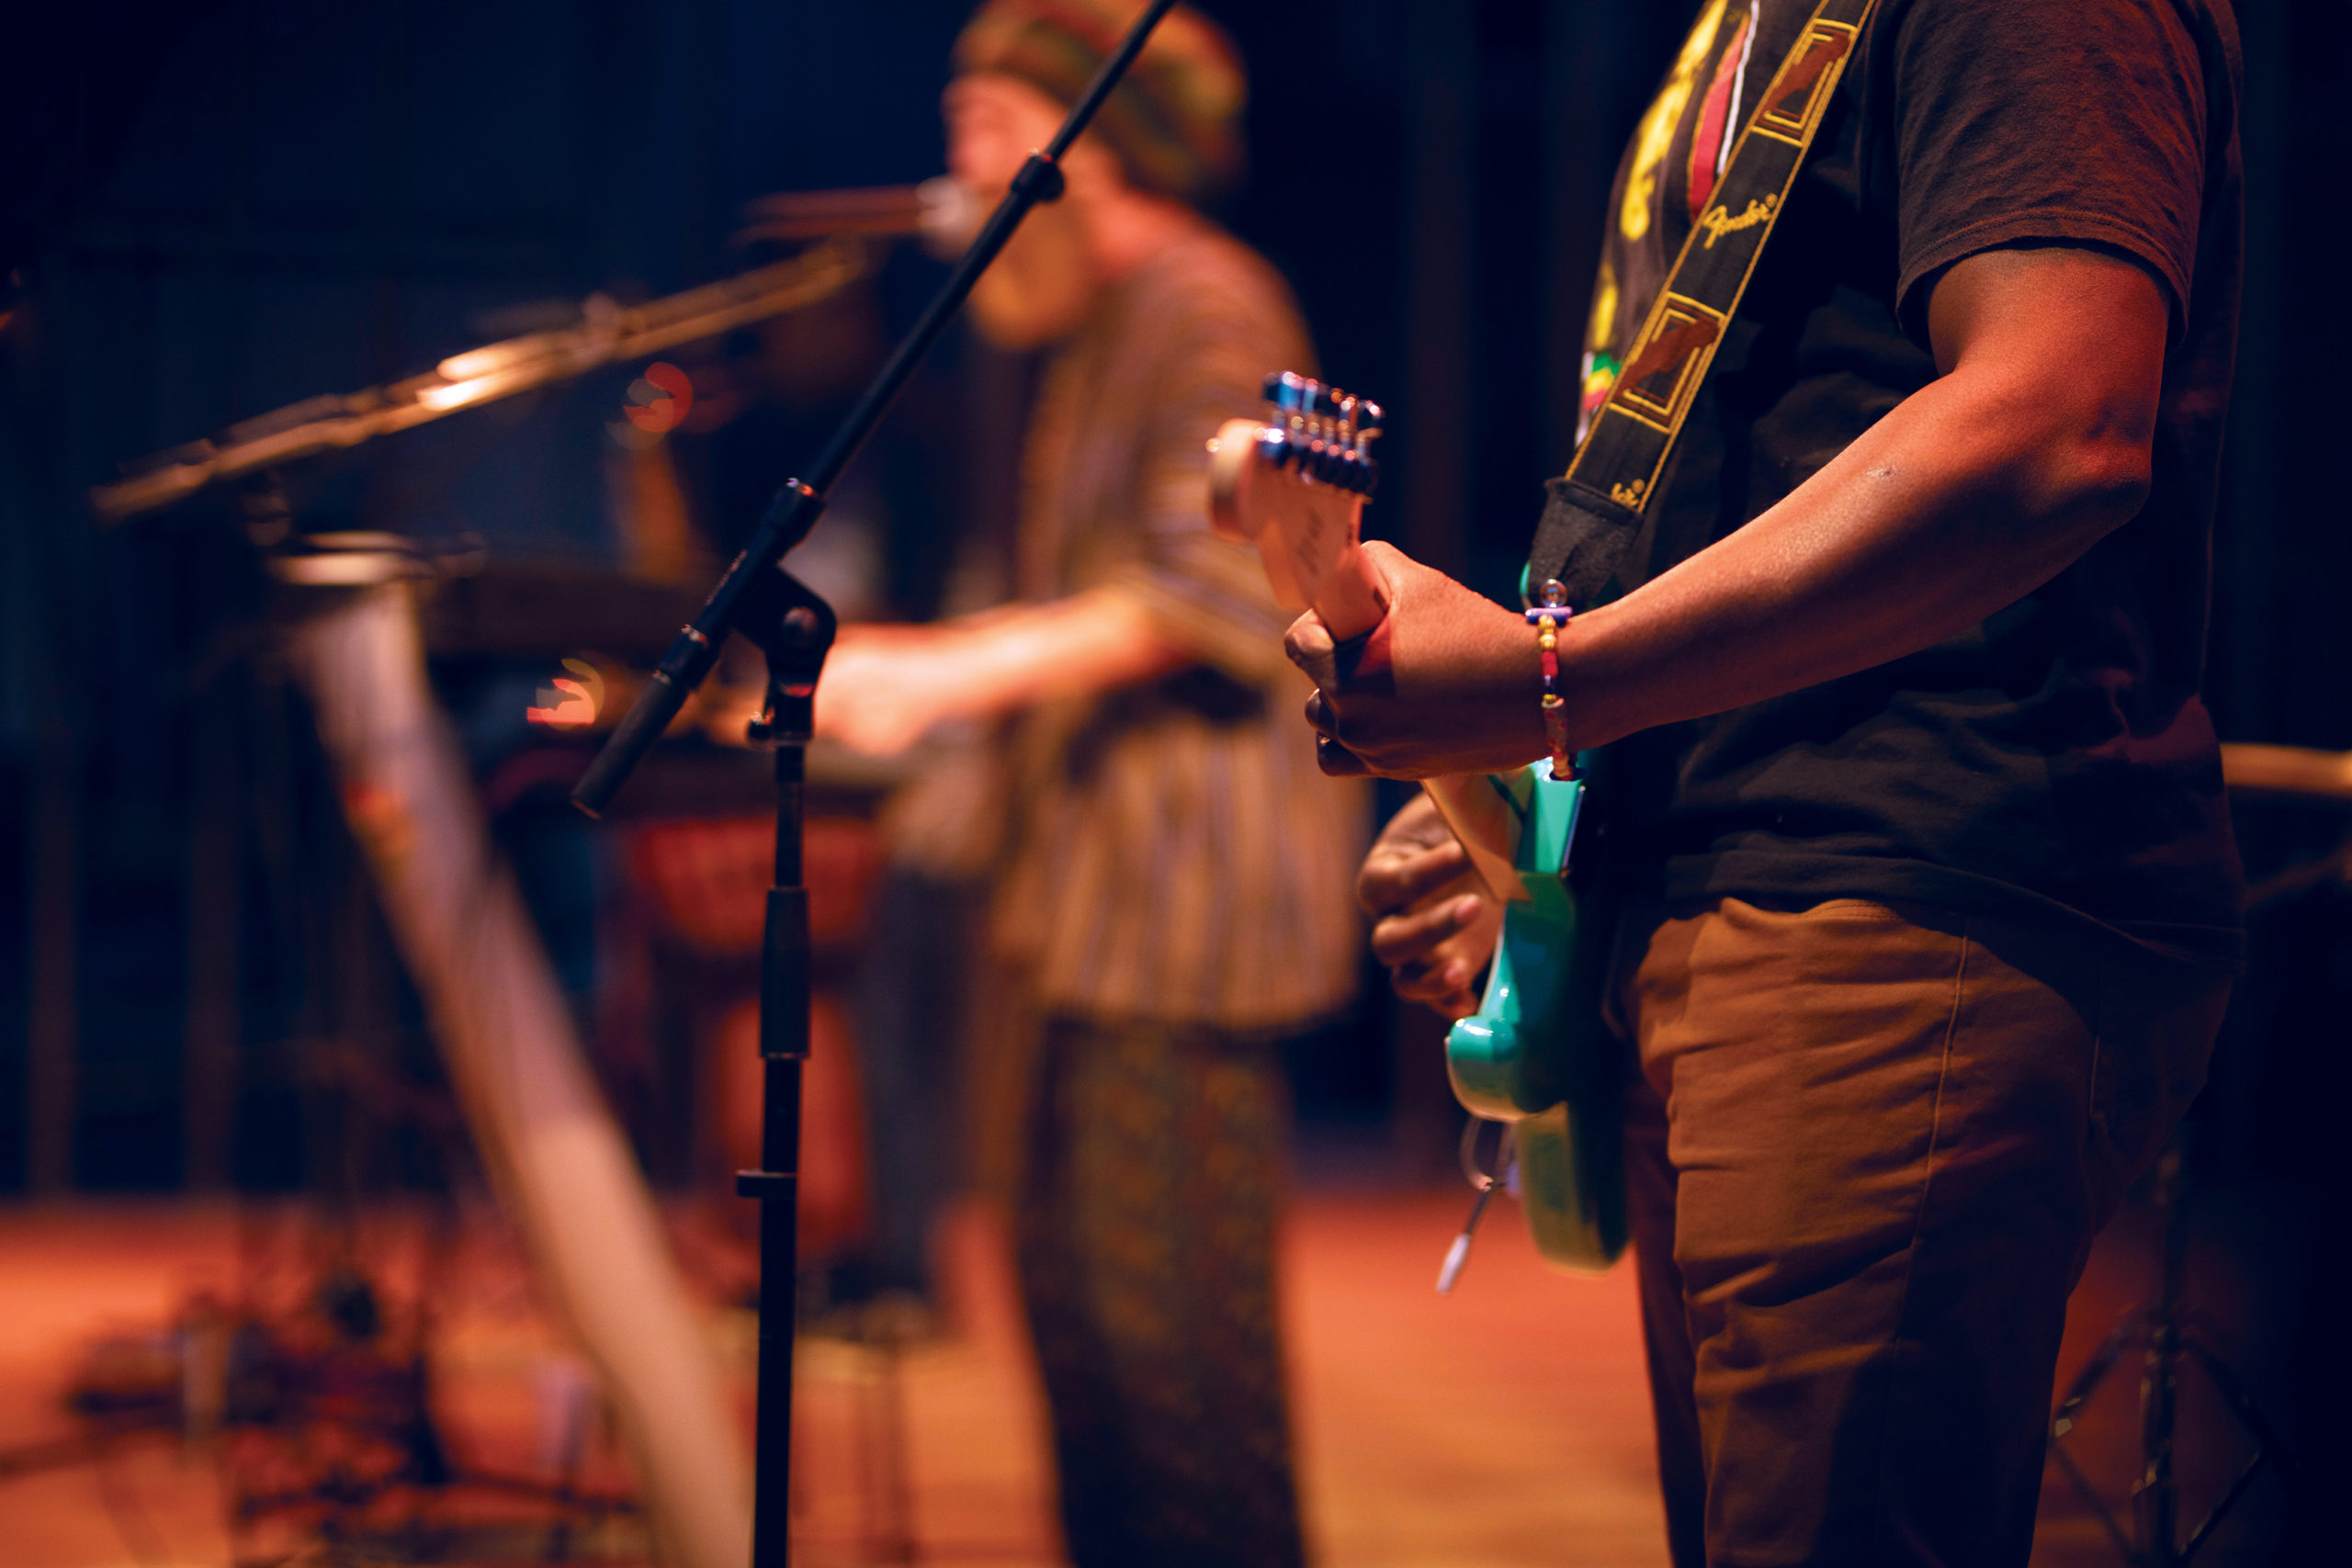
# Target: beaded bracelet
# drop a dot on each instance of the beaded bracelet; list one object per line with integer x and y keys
{"x": 1547, "y": 615}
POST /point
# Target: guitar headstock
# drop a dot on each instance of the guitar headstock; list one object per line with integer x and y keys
{"x": 1294, "y": 483}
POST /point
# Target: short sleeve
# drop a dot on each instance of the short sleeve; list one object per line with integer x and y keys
{"x": 2040, "y": 121}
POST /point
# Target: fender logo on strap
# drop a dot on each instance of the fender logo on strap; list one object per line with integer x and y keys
{"x": 1717, "y": 222}
{"x": 1618, "y": 466}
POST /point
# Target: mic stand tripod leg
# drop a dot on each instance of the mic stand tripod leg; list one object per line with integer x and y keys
{"x": 2156, "y": 1501}
{"x": 794, "y": 628}
{"x": 2172, "y": 1341}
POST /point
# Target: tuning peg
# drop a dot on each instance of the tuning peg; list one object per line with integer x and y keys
{"x": 1288, "y": 391}
{"x": 1322, "y": 460}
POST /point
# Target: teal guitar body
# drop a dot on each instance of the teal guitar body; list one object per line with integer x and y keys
{"x": 1536, "y": 1054}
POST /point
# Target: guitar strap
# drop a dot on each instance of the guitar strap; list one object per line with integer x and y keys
{"x": 1591, "y": 512}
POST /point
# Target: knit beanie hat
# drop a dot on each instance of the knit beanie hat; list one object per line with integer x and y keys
{"x": 1174, "y": 120}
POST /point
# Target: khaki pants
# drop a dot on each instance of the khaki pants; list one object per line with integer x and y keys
{"x": 1869, "y": 1147}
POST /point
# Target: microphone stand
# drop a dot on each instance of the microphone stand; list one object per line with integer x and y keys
{"x": 794, "y": 628}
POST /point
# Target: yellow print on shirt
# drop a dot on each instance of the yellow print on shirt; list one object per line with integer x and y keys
{"x": 1600, "y": 327}
{"x": 1652, "y": 141}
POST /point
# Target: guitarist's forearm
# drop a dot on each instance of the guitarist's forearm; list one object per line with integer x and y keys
{"x": 1951, "y": 508}
{"x": 1973, "y": 493}
{"x": 1968, "y": 495}
{"x": 1959, "y": 503}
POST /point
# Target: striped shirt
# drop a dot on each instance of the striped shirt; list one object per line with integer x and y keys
{"x": 1176, "y": 856}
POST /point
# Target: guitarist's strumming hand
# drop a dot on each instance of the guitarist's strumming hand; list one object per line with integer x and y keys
{"x": 1434, "y": 922}
{"x": 1446, "y": 683}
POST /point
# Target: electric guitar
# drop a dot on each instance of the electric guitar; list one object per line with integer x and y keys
{"x": 1535, "y": 1054}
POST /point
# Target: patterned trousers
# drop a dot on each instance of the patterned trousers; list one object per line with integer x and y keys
{"x": 1145, "y": 1223}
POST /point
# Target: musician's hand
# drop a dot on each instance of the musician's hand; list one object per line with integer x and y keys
{"x": 884, "y": 688}
{"x": 1447, "y": 683}
{"x": 1434, "y": 922}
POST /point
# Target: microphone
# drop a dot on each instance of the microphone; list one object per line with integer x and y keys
{"x": 941, "y": 210}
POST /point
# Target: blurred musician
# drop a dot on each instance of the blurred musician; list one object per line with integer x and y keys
{"x": 1172, "y": 888}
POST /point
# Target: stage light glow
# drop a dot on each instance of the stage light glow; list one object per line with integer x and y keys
{"x": 479, "y": 362}
{"x": 570, "y": 704}
{"x": 658, "y": 401}
{"x": 454, "y": 394}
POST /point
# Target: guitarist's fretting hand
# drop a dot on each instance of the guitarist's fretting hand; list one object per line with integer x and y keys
{"x": 1446, "y": 684}
{"x": 1434, "y": 924}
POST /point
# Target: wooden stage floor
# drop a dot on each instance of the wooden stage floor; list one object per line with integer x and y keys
{"x": 1501, "y": 1427}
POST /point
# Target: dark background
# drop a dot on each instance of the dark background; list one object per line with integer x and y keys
{"x": 213, "y": 211}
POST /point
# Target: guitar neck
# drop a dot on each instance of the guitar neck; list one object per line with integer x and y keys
{"x": 1354, "y": 596}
